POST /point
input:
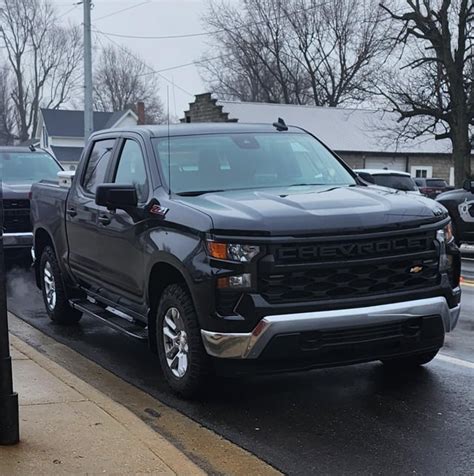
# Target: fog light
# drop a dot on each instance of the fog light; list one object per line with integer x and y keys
{"x": 240, "y": 281}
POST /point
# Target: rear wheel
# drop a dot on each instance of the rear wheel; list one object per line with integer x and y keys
{"x": 54, "y": 292}
{"x": 411, "y": 361}
{"x": 183, "y": 359}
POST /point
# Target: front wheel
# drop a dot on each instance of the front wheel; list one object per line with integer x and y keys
{"x": 183, "y": 359}
{"x": 55, "y": 296}
{"x": 410, "y": 361}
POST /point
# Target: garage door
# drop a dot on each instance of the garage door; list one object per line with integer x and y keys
{"x": 389, "y": 163}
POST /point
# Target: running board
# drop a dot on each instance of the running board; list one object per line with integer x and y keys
{"x": 129, "y": 327}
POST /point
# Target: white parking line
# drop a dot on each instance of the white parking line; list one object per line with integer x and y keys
{"x": 455, "y": 361}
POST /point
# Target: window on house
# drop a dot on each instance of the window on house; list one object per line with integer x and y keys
{"x": 421, "y": 171}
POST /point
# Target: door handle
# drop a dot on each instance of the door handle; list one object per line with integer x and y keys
{"x": 71, "y": 212}
{"x": 104, "y": 219}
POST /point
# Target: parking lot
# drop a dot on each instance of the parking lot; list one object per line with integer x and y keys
{"x": 359, "y": 419}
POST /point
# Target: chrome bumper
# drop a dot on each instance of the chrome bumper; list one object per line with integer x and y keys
{"x": 251, "y": 345}
{"x": 17, "y": 240}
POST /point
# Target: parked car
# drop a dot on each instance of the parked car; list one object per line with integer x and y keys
{"x": 21, "y": 167}
{"x": 432, "y": 187}
{"x": 389, "y": 178}
{"x": 237, "y": 248}
{"x": 460, "y": 204}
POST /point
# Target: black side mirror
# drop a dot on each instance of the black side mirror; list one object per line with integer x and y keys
{"x": 468, "y": 185}
{"x": 116, "y": 196}
{"x": 366, "y": 177}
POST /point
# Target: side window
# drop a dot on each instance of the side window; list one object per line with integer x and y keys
{"x": 131, "y": 169}
{"x": 97, "y": 164}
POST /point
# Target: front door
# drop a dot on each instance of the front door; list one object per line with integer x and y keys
{"x": 120, "y": 244}
{"x": 82, "y": 213}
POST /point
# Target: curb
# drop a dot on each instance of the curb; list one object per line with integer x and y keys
{"x": 211, "y": 452}
{"x": 158, "y": 445}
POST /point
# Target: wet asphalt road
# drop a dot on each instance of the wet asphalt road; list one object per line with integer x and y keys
{"x": 348, "y": 420}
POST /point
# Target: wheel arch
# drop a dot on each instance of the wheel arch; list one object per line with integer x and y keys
{"x": 164, "y": 272}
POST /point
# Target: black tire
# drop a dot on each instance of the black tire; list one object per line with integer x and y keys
{"x": 191, "y": 383}
{"x": 58, "y": 309}
{"x": 410, "y": 361}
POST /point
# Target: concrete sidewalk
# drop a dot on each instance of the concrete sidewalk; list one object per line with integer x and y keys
{"x": 68, "y": 427}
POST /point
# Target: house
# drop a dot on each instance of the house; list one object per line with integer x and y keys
{"x": 61, "y": 132}
{"x": 364, "y": 138}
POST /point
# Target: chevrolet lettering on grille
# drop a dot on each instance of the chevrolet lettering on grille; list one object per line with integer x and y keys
{"x": 355, "y": 249}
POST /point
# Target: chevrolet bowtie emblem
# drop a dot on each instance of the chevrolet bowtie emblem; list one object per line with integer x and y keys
{"x": 416, "y": 269}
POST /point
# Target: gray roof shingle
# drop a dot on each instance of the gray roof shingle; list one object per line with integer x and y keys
{"x": 64, "y": 123}
{"x": 67, "y": 154}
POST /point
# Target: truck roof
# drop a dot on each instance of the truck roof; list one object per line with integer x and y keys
{"x": 198, "y": 128}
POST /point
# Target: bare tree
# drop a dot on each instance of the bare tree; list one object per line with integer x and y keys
{"x": 434, "y": 92}
{"x": 255, "y": 62}
{"x": 121, "y": 80}
{"x": 340, "y": 45}
{"x": 295, "y": 51}
{"x": 7, "y": 135}
{"x": 44, "y": 58}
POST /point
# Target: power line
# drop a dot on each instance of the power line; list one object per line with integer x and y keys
{"x": 67, "y": 12}
{"x": 152, "y": 71}
{"x": 208, "y": 33}
{"x": 121, "y": 11}
{"x": 167, "y": 37}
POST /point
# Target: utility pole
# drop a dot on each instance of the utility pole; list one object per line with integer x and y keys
{"x": 9, "y": 422}
{"x": 88, "y": 111}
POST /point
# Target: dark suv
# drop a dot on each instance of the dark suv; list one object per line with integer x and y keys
{"x": 20, "y": 168}
{"x": 432, "y": 187}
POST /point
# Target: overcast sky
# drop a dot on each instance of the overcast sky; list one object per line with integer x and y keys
{"x": 154, "y": 18}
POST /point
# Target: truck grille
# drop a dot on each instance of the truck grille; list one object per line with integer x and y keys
{"x": 408, "y": 264}
{"x": 16, "y": 216}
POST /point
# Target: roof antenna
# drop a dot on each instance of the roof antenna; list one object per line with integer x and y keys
{"x": 280, "y": 125}
{"x": 32, "y": 148}
{"x": 169, "y": 145}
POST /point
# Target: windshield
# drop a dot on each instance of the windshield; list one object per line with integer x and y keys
{"x": 399, "y": 182}
{"x": 27, "y": 167}
{"x": 221, "y": 162}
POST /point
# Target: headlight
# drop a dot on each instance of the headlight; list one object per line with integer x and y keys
{"x": 232, "y": 251}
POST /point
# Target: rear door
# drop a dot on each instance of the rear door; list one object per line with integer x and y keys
{"x": 121, "y": 244}
{"x": 82, "y": 213}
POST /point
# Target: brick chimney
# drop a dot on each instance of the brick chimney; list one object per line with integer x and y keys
{"x": 141, "y": 113}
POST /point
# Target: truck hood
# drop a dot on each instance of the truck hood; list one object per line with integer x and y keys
{"x": 315, "y": 210}
{"x": 16, "y": 191}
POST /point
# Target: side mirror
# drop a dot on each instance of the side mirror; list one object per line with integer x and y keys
{"x": 116, "y": 196}
{"x": 468, "y": 185}
{"x": 366, "y": 177}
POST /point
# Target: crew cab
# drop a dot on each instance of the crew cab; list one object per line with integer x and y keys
{"x": 20, "y": 168}
{"x": 243, "y": 248}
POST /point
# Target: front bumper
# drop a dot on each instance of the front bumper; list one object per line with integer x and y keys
{"x": 18, "y": 240}
{"x": 252, "y": 345}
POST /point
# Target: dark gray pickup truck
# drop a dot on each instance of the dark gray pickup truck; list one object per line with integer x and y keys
{"x": 238, "y": 248}
{"x": 20, "y": 167}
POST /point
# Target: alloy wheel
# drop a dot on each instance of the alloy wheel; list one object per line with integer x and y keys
{"x": 175, "y": 340}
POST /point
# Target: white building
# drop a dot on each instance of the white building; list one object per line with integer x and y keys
{"x": 61, "y": 132}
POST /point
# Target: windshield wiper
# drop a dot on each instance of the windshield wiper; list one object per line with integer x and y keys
{"x": 305, "y": 184}
{"x": 196, "y": 193}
